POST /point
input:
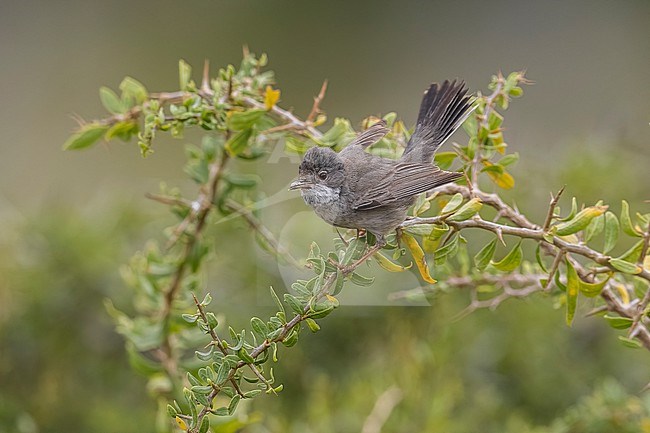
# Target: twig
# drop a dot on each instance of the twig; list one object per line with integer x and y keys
{"x": 554, "y": 267}
{"x": 551, "y": 209}
{"x": 315, "y": 109}
{"x": 297, "y": 124}
{"x": 524, "y": 229}
{"x": 215, "y": 339}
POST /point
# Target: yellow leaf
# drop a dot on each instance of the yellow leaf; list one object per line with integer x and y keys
{"x": 271, "y": 97}
{"x": 503, "y": 180}
{"x": 622, "y": 292}
{"x": 418, "y": 256}
{"x": 181, "y": 423}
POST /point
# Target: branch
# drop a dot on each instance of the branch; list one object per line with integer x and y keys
{"x": 524, "y": 229}
{"x": 296, "y": 124}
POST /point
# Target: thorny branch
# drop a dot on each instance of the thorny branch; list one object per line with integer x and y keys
{"x": 554, "y": 246}
{"x": 191, "y": 227}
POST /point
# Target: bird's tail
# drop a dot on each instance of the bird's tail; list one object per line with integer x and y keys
{"x": 444, "y": 108}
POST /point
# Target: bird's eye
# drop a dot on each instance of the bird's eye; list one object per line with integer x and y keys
{"x": 322, "y": 174}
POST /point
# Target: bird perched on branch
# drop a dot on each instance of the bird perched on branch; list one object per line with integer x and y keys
{"x": 354, "y": 189}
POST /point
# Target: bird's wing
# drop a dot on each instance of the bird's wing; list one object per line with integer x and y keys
{"x": 405, "y": 181}
{"x": 371, "y": 135}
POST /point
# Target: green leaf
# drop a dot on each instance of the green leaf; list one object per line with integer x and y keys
{"x": 242, "y": 180}
{"x": 421, "y": 204}
{"x": 252, "y": 393}
{"x": 354, "y": 251}
{"x": 444, "y": 159}
{"x": 360, "y": 280}
{"x": 419, "y": 229}
{"x": 594, "y": 228}
{"x": 454, "y": 202}
{"x": 260, "y": 330}
{"x": 240, "y": 120}
{"x": 625, "y": 267}
{"x": 618, "y": 322}
{"x": 321, "y": 310}
{"x": 339, "y": 283}
{"x": 538, "y": 256}
{"x": 110, "y": 100}
{"x": 202, "y": 389}
{"x": 171, "y": 411}
{"x": 245, "y": 356}
{"x": 388, "y": 265}
{"x": 447, "y": 251}
{"x": 122, "y": 130}
{"x": 626, "y": 222}
{"x": 580, "y": 221}
{"x": 238, "y": 142}
{"x": 633, "y": 254}
{"x": 509, "y": 159}
{"x": 205, "y": 424}
{"x": 291, "y": 338}
{"x": 629, "y": 342}
{"x": 184, "y": 74}
{"x": 591, "y": 290}
{"x": 511, "y": 261}
{"x": 86, "y": 136}
{"x": 431, "y": 242}
{"x": 495, "y": 120}
{"x": 233, "y": 404}
{"x": 467, "y": 211}
{"x": 470, "y": 125}
{"x": 277, "y": 300}
{"x": 483, "y": 257}
{"x": 221, "y": 411}
{"x": 574, "y": 210}
{"x": 611, "y": 232}
{"x": 340, "y": 129}
{"x": 222, "y": 373}
{"x": 293, "y": 303}
{"x": 133, "y": 90}
{"x": 313, "y": 326}
{"x": 190, "y": 318}
{"x": 572, "y": 289}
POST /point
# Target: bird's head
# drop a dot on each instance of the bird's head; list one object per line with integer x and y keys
{"x": 320, "y": 168}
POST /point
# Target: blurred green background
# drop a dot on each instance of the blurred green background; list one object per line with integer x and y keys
{"x": 69, "y": 220}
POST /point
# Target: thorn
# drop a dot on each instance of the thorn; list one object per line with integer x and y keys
{"x": 469, "y": 184}
{"x": 500, "y": 236}
{"x": 596, "y": 310}
{"x": 205, "y": 82}
{"x": 77, "y": 118}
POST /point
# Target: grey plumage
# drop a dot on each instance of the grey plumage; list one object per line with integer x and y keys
{"x": 354, "y": 189}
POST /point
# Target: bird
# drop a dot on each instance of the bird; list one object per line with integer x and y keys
{"x": 357, "y": 190}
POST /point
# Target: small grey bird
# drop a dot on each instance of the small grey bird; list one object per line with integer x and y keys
{"x": 354, "y": 189}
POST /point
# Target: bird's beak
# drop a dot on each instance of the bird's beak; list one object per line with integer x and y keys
{"x": 300, "y": 183}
